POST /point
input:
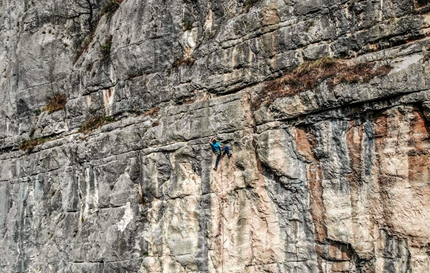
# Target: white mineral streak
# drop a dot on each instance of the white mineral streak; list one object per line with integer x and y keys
{"x": 209, "y": 20}
{"x": 126, "y": 219}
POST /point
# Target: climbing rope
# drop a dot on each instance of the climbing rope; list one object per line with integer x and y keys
{"x": 222, "y": 225}
{"x": 222, "y": 216}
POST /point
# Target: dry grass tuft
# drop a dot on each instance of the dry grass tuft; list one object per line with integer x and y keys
{"x": 30, "y": 144}
{"x": 186, "y": 61}
{"x": 151, "y": 112}
{"x": 57, "y": 103}
{"x": 309, "y": 75}
{"x": 94, "y": 123}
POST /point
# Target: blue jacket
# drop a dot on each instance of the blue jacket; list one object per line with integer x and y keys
{"x": 216, "y": 147}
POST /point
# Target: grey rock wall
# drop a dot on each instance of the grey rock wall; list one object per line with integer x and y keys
{"x": 333, "y": 178}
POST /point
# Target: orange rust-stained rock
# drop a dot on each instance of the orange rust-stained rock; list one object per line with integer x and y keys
{"x": 305, "y": 142}
{"x": 270, "y": 16}
{"x": 380, "y": 183}
{"x": 402, "y": 173}
{"x": 317, "y": 211}
{"x": 354, "y": 138}
{"x": 418, "y": 155}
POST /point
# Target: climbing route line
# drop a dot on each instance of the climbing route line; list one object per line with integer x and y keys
{"x": 222, "y": 224}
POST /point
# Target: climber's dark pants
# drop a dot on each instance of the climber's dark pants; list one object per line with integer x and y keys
{"x": 218, "y": 157}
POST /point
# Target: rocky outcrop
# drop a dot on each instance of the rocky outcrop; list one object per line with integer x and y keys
{"x": 325, "y": 105}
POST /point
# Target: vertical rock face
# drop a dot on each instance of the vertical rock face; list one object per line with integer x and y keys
{"x": 106, "y": 109}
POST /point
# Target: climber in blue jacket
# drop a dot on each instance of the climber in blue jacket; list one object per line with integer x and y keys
{"x": 219, "y": 150}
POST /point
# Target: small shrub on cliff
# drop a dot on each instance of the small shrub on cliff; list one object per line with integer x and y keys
{"x": 94, "y": 123}
{"x": 185, "y": 61}
{"x": 309, "y": 75}
{"x": 57, "y": 103}
{"x": 426, "y": 58}
{"x": 37, "y": 112}
{"x": 106, "y": 48}
{"x": 187, "y": 24}
{"x": 151, "y": 111}
{"x": 111, "y": 7}
{"x": 249, "y": 4}
{"x": 84, "y": 46}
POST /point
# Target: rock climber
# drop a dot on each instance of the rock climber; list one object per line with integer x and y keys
{"x": 219, "y": 150}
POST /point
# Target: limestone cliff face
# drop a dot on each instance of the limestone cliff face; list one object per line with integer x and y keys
{"x": 106, "y": 109}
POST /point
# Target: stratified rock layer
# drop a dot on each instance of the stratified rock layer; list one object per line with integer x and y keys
{"x": 329, "y": 178}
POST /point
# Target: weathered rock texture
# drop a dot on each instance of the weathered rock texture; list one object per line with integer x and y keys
{"x": 334, "y": 178}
